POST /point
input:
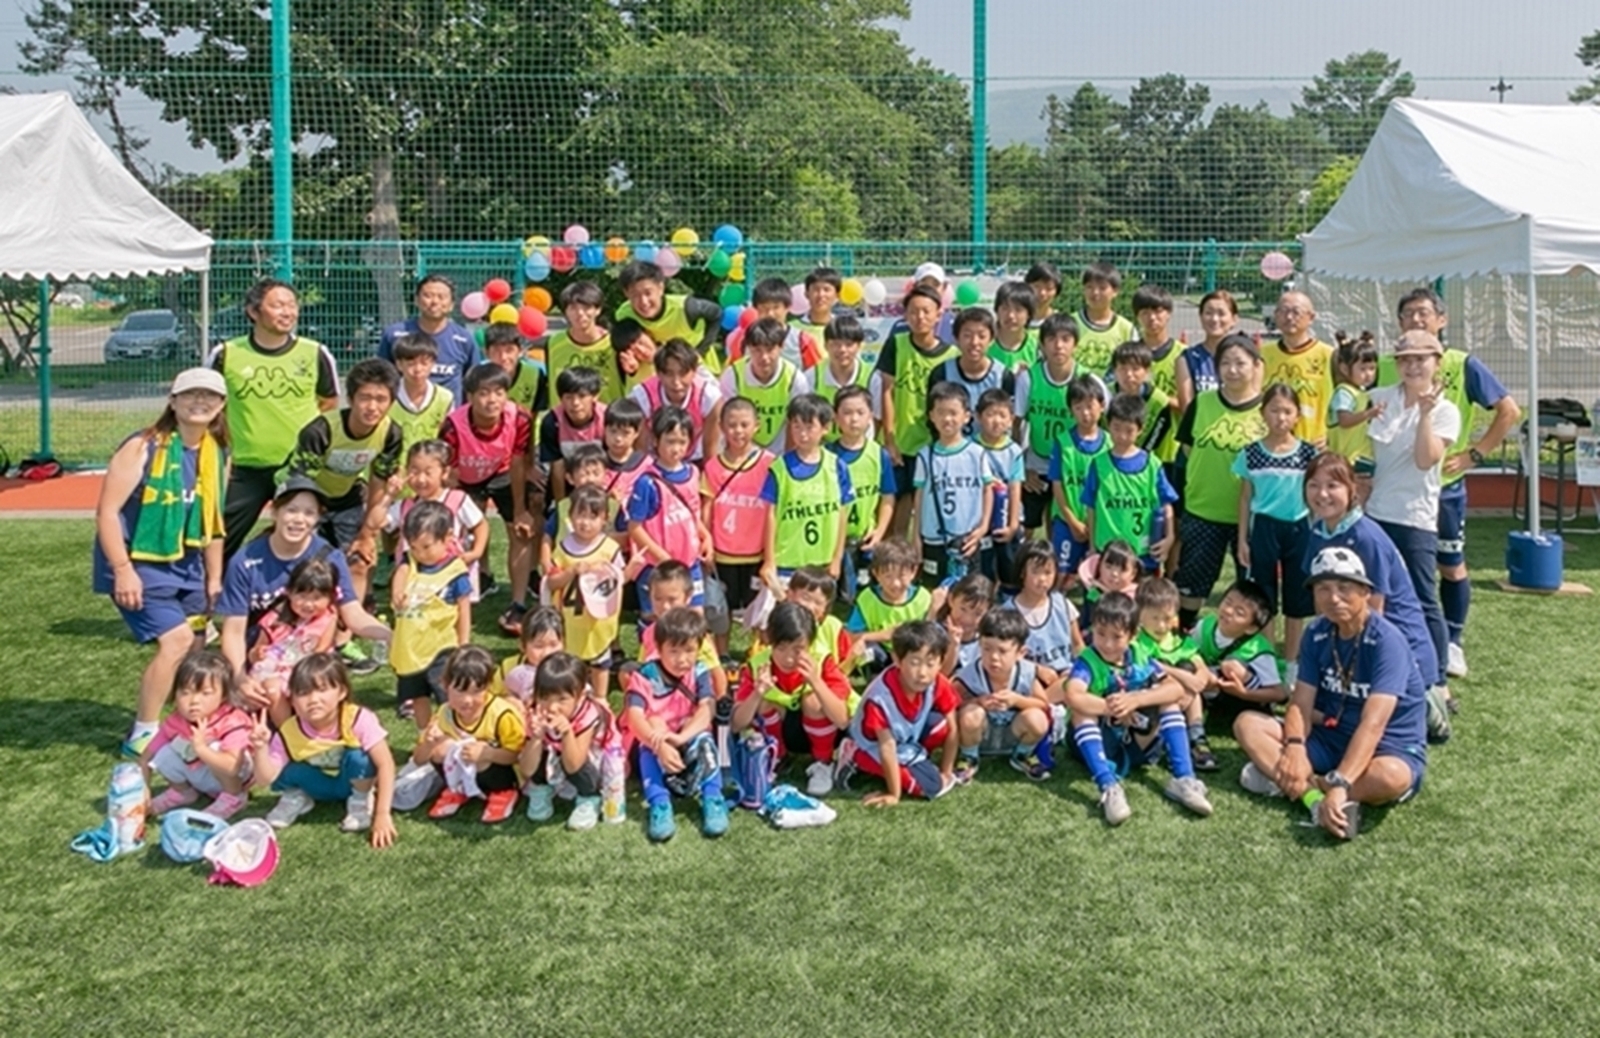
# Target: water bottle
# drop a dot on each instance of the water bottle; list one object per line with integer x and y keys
{"x": 125, "y": 799}
{"x": 380, "y": 648}
{"x": 613, "y": 776}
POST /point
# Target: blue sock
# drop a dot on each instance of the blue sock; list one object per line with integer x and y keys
{"x": 1046, "y": 753}
{"x": 1175, "y": 739}
{"x": 1455, "y": 598}
{"x": 1093, "y": 749}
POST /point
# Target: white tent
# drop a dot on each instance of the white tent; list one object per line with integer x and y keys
{"x": 1477, "y": 193}
{"x": 71, "y": 210}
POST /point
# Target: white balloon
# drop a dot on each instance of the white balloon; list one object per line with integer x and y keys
{"x": 874, "y": 292}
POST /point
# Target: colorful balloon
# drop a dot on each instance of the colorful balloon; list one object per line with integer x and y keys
{"x": 850, "y": 292}
{"x": 731, "y": 295}
{"x": 537, "y": 297}
{"x": 668, "y": 260}
{"x": 748, "y": 316}
{"x": 563, "y": 259}
{"x": 645, "y": 252}
{"x": 1275, "y": 266}
{"x": 730, "y": 317}
{"x": 718, "y": 264}
{"x": 577, "y": 234}
{"x": 728, "y": 236}
{"x": 474, "y": 305}
{"x": 532, "y": 322}
{"x": 616, "y": 250}
{"x": 736, "y": 268}
{"x": 874, "y": 292}
{"x": 591, "y": 256}
{"x": 503, "y": 313}
{"x": 968, "y": 293}
{"x": 536, "y": 243}
{"x": 684, "y": 241}
{"x": 496, "y": 290}
{"x": 798, "y": 303}
{"x": 536, "y": 267}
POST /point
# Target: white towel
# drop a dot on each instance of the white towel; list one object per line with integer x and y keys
{"x": 460, "y": 776}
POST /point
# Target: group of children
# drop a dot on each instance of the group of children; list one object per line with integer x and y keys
{"x": 902, "y": 542}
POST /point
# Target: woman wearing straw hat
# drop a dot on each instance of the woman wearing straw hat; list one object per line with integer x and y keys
{"x": 159, "y": 530}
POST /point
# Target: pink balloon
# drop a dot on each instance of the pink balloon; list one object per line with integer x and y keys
{"x": 668, "y": 260}
{"x": 474, "y": 305}
{"x": 577, "y": 234}
{"x": 949, "y": 295}
{"x": 798, "y": 303}
{"x": 1275, "y": 266}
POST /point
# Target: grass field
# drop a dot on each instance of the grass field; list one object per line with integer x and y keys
{"x": 1005, "y": 909}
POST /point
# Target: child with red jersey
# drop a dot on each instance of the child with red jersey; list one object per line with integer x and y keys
{"x": 203, "y": 745}
{"x": 905, "y": 714}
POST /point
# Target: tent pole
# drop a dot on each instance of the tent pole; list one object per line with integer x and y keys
{"x": 1532, "y": 444}
{"x": 43, "y": 354}
{"x": 205, "y": 310}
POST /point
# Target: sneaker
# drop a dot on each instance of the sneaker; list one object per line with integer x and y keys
{"x": 356, "y": 660}
{"x": 1204, "y": 758}
{"x": 171, "y": 798}
{"x": 541, "y": 802}
{"x": 1254, "y": 780}
{"x": 1352, "y": 818}
{"x": 1114, "y": 802}
{"x": 499, "y": 806}
{"x": 965, "y": 771}
{"x": 133, "y": 746}
{"x": 1438, "y": 714}
{"x": 357, "y": 813}
{"x": 1031, "y": 766}
{"x": 1456, "y": 663}
{"x": 290, "y": 806}
{"x": 844, "y": 763}
{"x": 406, "y": 710}
{"x": 511, "y": 620}
{"x": 713, "y": 816}
{"x": 661, "y": 827}
{"x": 1191, "y": 793}
{"x": 227, "y": 805}
{"x": 449, "y": 803}
{"x": 819, "y": 778}
{"x": 585, "y": 814}
{"x": 486, "y": 583}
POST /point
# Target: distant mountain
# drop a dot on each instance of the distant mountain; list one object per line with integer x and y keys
{"x": 1016, "y": 114}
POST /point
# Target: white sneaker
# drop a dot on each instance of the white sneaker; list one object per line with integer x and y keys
{"x": 1114, "y": 802}
{"x": 289, "y": 807}
{"x": 1191, "y": 793}
{"x": 1456, "y": 663}
{"x": 819, "y": 779}
{"x": 585, "y": 813}
{"x": 357, "y": 813}
{"x": 1254, "y": 780}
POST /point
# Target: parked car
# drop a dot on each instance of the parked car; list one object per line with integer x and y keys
{"x": 149, "y": 335}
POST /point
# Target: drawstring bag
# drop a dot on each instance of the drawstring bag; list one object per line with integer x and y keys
{"x": 185, "y": 833}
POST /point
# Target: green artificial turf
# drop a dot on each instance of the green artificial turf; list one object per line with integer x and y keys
{"x": 1005, "y": 909}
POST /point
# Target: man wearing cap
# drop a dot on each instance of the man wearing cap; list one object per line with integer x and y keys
{"x": 1353, "y": 732}
{"x": 159, "y": 530}
{"x": 257, "y": 575}
{"x": 1467, "y": 382}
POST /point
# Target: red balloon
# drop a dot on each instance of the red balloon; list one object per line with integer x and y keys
{"x": 532, "y": 322}
{"x": 563, "y": 259}
{"x": 497, "y": 289}
{"x": 748, "y": 317}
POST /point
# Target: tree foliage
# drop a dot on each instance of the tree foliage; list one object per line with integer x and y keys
{"x": 1348, "y": 100}
{"x": 1589, "y": 54}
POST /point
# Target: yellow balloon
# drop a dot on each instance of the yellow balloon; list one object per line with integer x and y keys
{"x": 503, "y": 313}
{"x": 684, "y": 241}
{"x": 736, "y": 269}
{"x": 850, "y": 293}
{"x": 535, "y": 243}
{"x": 616, "y": 250}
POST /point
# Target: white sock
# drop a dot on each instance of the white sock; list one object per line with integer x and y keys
{"x": 144, "y": 728}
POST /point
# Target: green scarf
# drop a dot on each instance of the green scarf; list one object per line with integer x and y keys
{"x": 166, "y": 528}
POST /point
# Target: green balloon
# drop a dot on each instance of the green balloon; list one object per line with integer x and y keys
{"x": 731, "y": 295}
{"x": 718, "y": 264}
{"x": 967, "y": 293}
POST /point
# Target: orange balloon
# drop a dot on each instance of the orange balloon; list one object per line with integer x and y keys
{"x": 538, "y": 297}
{"x": 616, "y": 250}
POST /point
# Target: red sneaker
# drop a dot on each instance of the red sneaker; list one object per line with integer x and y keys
{"x": 501, "y": 803}
{"x": 449, "y": 803}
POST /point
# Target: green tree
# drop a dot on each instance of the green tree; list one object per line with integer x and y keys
{"x": 1243, "y": 174}
{"x": 1348, "y": 100}
{"x": 1083, "y": 145}
{"x": 1161, "y": 115}
{"x": 1589, "y": 54}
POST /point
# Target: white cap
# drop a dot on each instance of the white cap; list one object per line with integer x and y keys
{"x": 929, "y": 270}
{"x": 199, "y": 378}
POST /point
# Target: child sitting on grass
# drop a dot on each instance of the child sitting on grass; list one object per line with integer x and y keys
{"x": 203, "y": 745}
{"x": 1112, "y": 692}
{"x": 966, "y": 603}
{"x": 1161, "y": 640}
{"x": 568, "y": 731}
{"x": 1053, "y": 638}
{"x": 907, "y": 712}
{"x": 1245, "y": 668}
{"x": 328, "y": 749}
{"x": 671, "y": 586}
{"x": 1003, "y": 708}
{"x": 889, "y": 601}
{"x": 543, "y": 635}
{"x": 475, "y": 741}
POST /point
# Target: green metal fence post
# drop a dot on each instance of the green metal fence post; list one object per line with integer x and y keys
{"x": 1212, "y": 260}
{"x": 43, "y": 354}
{"x": 980, "y": 129}
{"x": 282, "y": 142}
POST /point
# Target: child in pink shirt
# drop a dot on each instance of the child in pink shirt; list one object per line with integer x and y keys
{"x": 201, "y": 746}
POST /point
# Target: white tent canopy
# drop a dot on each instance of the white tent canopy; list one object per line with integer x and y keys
{"x": 70, "y": 208}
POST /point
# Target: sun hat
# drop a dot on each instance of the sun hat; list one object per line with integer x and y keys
{"x": 1338, "y": 564}
{"x": 243, "y": 854}
{"x": 185, "y": 833}
{"x": 929, "y": 270}
{"x": 602, "y": 591}
{"x": 199, "y": 378}
{"x": 1416, "y": 342}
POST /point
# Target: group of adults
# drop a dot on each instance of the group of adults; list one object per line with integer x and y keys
{"x": 158, "y": 554}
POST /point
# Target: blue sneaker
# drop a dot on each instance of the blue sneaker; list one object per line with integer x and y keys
{"x": 662, "y": 827}
{"x": 133, "y": 747}
{"x": 541, "y": 802}
{"x": 713, "y": 817}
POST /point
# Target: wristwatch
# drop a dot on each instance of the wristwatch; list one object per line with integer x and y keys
{"x": 1333, "y": 778}
{"x": 1476, "y": 454}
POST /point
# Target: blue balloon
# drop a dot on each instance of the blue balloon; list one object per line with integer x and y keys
{"x": 536, "y": 266}
{"x": 592, "y": 256}
{"x": 730, "y": 317}
{"x": 645, "y": 252}
{"x": 728, "y": 236}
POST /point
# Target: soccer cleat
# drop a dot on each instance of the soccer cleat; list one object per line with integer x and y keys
{"x": 1438, "y": 698}
{"x": 1031, "y": 766}
{"x": 1254, "y": 780}
{"x": 289, "y": 807}
{"x": 133, "y": 746}
{"x": 661, "y": 826}
{"x": 585, "y": 813}
{"x": 966, "y": 770}
{"x": 499, "y": 805}
{"x": 819, "y": 778}
{"x": 1456, "y": 663}
{"x": 173, "y": 797}
{"x": 713, "y": 816}
{"x": 357, "y": 813}
{"x": 227, "y": 805}
{"x": 1191, "y": 793}
{"x": 449, "y": 803}
{"x": 541, "y": 802}
{"x": 844, "y": 763}
{"x": 356, "y": 660}
{"x": 1204, "y": 758}
{"x": 1114, "y": 802}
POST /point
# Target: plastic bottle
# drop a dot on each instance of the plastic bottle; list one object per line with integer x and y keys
{"x": 380, "y": 648}
{"x": 125, "y": 799}
{"x": 613, "y": 778}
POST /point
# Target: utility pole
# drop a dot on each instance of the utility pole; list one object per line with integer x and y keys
{"x": 1501, "y": 88}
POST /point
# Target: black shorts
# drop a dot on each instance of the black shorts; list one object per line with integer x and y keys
{"x": 1035, "y": 507}
{"x": 498, "y": 491}
{"x": 1205, "y": 543}
{"x": 903, "y": 474}
{"x": 739, "y": 579}
{"x": 340, "y": 527}
{"x": 424, "y": 684}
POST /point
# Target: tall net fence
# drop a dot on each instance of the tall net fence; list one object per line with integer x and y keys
{"x": 438, "y": 137}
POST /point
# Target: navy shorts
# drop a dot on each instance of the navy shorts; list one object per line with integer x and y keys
{"x": 1325, "y": 752}
{"x": 1453, "y": 525}
{"x": 1070, "y": 552}
{"x": 163, "y": 609}
{"x": 341, "y": 528}
{"x": 902, "y": 477}
{"x": 1277, "y": 557}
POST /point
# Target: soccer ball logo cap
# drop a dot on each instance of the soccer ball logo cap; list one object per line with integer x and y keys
{"x": 244, "y": 854}
{"x": 185, "y": 833}
{"x": 1338, "y": 564}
